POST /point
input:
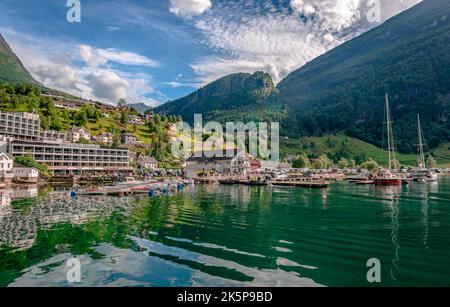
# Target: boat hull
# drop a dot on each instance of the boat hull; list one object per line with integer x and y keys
{"x": 387, "y": 182}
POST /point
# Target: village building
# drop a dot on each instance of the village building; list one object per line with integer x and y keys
{"x": 51, "y": 135}
{"x": 76, "y": 134}
{"x": 218, "y": 162}
{"x": 135, "y": 120}
{"x": 70, "y": 158}
{"x": 22, "y": 126}
{"x": 23, "y": 174}
{"x": 274, "y": 165}
{"x": 62, "y": 157}
{"x": 129, "y": 139}
{"x": 6, "y": 163}
{"x": 6, "y": 166}
{"x": 255, "y": 165}
{"x": 104, "y": 138}
{"x": 69, "y": 104}
{"x": 145, "y": 162}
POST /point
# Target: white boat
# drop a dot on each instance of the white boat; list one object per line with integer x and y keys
{"x": 421, "y": 173}
{"x": 129, "y": 182}
{"x": 432, "y": 177}
{"x": 388, "y": 177}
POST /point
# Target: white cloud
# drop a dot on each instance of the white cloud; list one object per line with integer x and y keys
{"x": 53, "y": 63}
{"x": 257, "y": 35}
{"x": 96, "y": 56}
{"x": 189, "y": 8}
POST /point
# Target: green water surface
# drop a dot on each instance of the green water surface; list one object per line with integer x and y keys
{"x": 215, "y": 235}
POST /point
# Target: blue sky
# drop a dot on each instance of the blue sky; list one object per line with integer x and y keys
{"x": 152, "y": 51}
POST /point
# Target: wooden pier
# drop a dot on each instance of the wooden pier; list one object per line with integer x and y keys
{"x": 312, "y": 184}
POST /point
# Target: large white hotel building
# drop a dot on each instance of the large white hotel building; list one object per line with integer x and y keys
{"x": 22, "y": 136}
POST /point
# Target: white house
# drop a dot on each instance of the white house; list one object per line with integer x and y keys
{"x": 75, "y": 134}
{"x": 6, "y": 163}
{"x": 129, "y": 139}
{"x": 23, "y": 174}
{"x": 218, "y": 162}
{"x": 104, "y": 138}
{"x": 135, "y": 120}
{"x": 145, "y": 162}
{"x": 6, "y": 166}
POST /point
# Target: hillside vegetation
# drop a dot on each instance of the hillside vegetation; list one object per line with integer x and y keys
{"x": 408, "y": 57}
{"x": 11, "y": 68}
{"x": 28, "y": 98}
{"x": 237, "y": 97}
{"x": 341, "y": 146}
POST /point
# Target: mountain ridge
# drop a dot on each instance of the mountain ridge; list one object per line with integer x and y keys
{"x": 222, "y": 100}
{"x": 11, "y": 68}
{"x": 408, "y": 56}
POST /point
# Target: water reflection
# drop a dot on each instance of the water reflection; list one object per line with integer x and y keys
{"x": 228, "y": 236}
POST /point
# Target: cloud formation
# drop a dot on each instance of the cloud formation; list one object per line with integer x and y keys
{"x": 83, "y": 70}
{"x": 189, "y": 8}
{"x": 260, "y": 35}
{"x": 96, "y": 56}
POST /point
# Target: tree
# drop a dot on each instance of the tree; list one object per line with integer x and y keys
{"x": 323, "y": 162}
{"x": 122, "y": 103}
{"x": 124, "y": 118}
{"x": 370, "y": 165}
{"x": 343, "y": 163}
{"x": 432, "y": 163}
{"x": 56, "y": 124}
{"x": 352, "y": 163}
{"x": 396, "y": 164}
{"x": 301, "y": 162}
{"x": 81, "y": 118}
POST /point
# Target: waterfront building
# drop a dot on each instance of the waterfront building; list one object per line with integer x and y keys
{"x": 6, "y": 166}
{"x": 20, "y": 135}
{"x": 145, "y": 162}
{"x": 51, "y": 135}
{"x": 273, "y": 165}
{"x": 23, "y": 126}
{"x": 237, "y": 165}
{"x": 255, "y": 165}
{"x": 23, "y": 174}
{"x": 69, "y": 158}
{"x": 6, "y": 163}
{"x": 76, "y": 134}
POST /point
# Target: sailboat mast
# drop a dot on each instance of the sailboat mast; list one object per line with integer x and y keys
{"x": 389, "y": 133}
{"x": 421, "y": 145}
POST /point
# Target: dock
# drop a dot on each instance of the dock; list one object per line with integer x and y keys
{"x": 150, "y": 190}
{"x": 312, "y": 184}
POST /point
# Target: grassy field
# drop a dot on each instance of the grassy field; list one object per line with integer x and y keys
{"x": 442, "y": 154}
{"x": 352, "y": 148}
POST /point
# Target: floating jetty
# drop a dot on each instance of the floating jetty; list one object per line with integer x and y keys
{"x": 312, "y": 184}
{"x": 363, "y": 182}
{"x": 118, "y": 191}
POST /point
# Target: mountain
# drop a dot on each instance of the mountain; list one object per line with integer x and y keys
{"x": 408, "y": 57}
{"x": 11, "y": 68}
{"x": 235, "y": 97}
{"x": 139, "y": 107}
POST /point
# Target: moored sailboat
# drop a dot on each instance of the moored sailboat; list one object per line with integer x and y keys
{"x": 422, "y": 173}
{"x": 382, "y": 176}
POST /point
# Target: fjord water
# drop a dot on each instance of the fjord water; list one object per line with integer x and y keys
{"x": 215, "y": 235}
